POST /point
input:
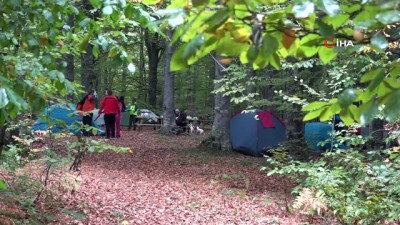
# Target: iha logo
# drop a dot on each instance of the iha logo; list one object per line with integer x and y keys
{"x": 332, "y": 42}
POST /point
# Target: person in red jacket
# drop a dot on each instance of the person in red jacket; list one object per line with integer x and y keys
{"x": 85, "y": 108}
{"x": 110, "y": 106}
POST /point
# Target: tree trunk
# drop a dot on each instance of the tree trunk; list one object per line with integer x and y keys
{"x": 169, "y": 87}
{"x": 153, "y": 51}
{"x": 220, "y": 138}
{"x": 123, "y": 80}
{"x": 2, "y": 137}
{"x": 142, "y": 69}
{"x": 69, "y": 58}
{"x": 250, "y": 88}
{"x": 88, "y": 77}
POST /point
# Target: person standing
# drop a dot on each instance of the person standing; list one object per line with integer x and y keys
{"x": 110, "y": 106}
{"x": 134, "y": 112}
{"x": 118, "y": 119}
{"x": 122, "y": 100}
{"x": 86, "y": 105}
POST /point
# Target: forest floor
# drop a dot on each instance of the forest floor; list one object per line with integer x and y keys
{"x": 170, "y": 180}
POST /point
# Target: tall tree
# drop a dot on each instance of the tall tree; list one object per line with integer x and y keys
{"x": 220, "y": 137}
{"x": 89, "y": 78}
{"x": 69, "y": 58}
{"x": 168, "y": 97}
{"x": 152, "y": 41}
{"x": 142, "y": 67}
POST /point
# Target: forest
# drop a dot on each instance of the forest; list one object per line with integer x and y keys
{"x": 290, "y": 112}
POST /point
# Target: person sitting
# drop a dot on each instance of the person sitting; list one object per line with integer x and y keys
{"x": 181, "y": 120}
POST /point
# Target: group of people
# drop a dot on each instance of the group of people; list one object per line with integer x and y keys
{"x": 112, "y": 107}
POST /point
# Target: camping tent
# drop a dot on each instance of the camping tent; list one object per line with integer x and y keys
{"x": 255, "y": 132}
{"x": 63, "y": 116}
{"x": 150, "y": 116}
{"x": 317, "y": 132}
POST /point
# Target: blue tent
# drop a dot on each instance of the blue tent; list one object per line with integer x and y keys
{"x": 255, "y": 132}
{"x": 316, "y": 132}
{"x": 63, "y": 116}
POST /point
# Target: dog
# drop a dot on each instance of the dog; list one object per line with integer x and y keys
{"x": 199, "y": 130}
{"x": 191, "y": 127}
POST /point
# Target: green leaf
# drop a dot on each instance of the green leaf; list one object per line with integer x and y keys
{"x": 3, "y": 185}
{"x": 177, "y": 61}
{"x": 197, "y": 3}
{"x": 269, "y": 46}
{"x": 369, "y": 111}
{"x": 326, "y": 54}
{"x": 336, "y": 21}
{"x": 32, "y": 41}
{"x": 108, "y": 10}
{"x": 275, "y": 61}
{"x": 325, "y": 30}
{"x": 326, "y": 114}
{"x": 371, "y": 75}
{"x": 350, "y": 9}
{"x": 228, "y": 46}
{"x": 151, "y": 2}
{"x": 377, "y": 80}
{"x": 330, "y": 7}
{"x": 252, "y": 53}
{"x": 346, "y": 117}
{"x": 314, "y": 105}
{"x": 95, "y": 3}
{"x": 3, "y": 98}
{"x": 355, "y": 112}
{"x": 311, "y": 40}
{"x": 95, "y": 51}
{"x": 113, "y": 52}
{"x": 194, "y": 45}
{"x": 304, "y": 10}
{"x": 379, "y": 41}
{"x": 388, "y": 17}
{"x": 391, "y": 109}
{"x": 85, "y": 22}
{"x": 85, "y": 42}
{"x": 314, "y": 114}
{"x": 347, "y": 97}
{"x": 217, "y": 20}
{"x": 48, "y": 16}
{"x": 310, "y": 44}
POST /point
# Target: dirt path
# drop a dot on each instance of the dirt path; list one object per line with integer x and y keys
{"x": 166, "y": 181}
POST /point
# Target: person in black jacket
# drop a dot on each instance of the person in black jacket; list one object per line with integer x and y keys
{"x": 181, "y": 120}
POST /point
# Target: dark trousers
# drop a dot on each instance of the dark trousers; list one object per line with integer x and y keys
{"x": 87, "y": 120}
{"x": 132, "y": 121}
{"x": 181, "y": 124}
{"x": 109, "y": 120}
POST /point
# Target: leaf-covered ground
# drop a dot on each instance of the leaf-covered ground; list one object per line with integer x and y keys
{"x": 166, "y": 180}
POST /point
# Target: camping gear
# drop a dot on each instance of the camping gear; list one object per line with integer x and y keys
{"x": 63, "y": 116}
{"x": 317, "y": 132}
{"x": 255, "y": 132}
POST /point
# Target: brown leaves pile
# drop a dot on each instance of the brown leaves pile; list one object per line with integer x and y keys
{"x": 167, "y": 180}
